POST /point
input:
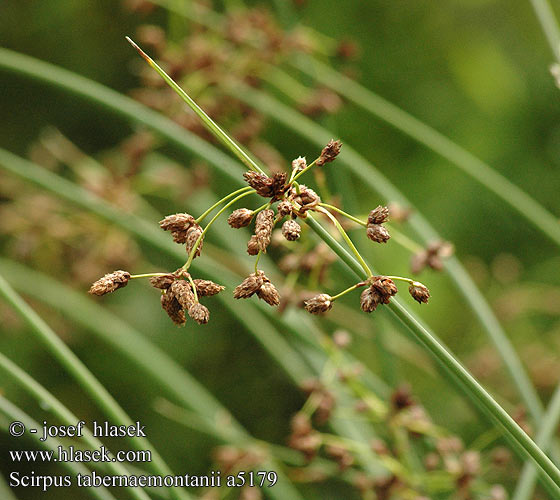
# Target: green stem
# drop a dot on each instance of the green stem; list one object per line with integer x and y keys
{"x": 551, "y": 474}
{"x": 348, "y": 242}
{"x": 549, "y": 424}
{"x": 338, "y": 295}
{"x": 404, "y": 240}
{"x": 220, "y": 212}
{"x": 257, "y": 261}
{"x": 345, "y": 214}
{"x": 212, "y": 126}
{"x": 223, "y": 200}
{"x": 43, "y": 396}
{"x": 147, "y": 275}
{"x": 84, "y": 377}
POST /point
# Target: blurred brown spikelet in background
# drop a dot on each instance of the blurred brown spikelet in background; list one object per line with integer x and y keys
{"x": 110, "y": 282}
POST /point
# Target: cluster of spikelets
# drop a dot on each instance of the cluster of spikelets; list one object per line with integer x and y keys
{"x": 288, "y": 201}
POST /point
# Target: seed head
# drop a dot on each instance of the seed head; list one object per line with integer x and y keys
{"x": 263, "y": 228}
{"x": 419, "y": 292}
{"x": 299, "y": 164}
{"x": 319, "y": 304}
{"x": 267, "y": 187}
{"x": 174, "y": 310}
{"x": 385, "y": 287}
{"x": 163, "y": 282}
{"x": 193, "y": 234}
{"x": 183, "y": 292}
{"x": 259, "y": 182}
{"x": 178, "y": 224}
{"x": 240, "y": 218}
{"x": 252, "y": 246}
{"x": 284, "y": 208}
{"x": 199, "y": 313}
{"x": 431, "y": 257}
{"x": 110, "y": 282}
{"x": 249, "y": 286}
{"x": 269, "y": 294}
{"x": 378, "y": 233}
{"x": 207, "y": 288}
{"x": 291, "y": 230}
{"x": 369, "y": 299}
{"x": 378, "y": 215}
{"x": 329, "y": 153}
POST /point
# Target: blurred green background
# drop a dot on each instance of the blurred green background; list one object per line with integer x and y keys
{"x": 475, "y": 70}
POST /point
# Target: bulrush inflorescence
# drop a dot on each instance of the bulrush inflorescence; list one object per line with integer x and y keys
{"x": 285, "y": 199}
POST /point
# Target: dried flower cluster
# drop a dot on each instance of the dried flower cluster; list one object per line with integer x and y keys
{"x": 285, "y": 199}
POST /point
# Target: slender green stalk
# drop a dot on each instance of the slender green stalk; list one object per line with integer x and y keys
{"x": 43, "y": 396}
{"x": 549, "y": 24}
{"x": 373, "y": 178}
{"x": 6, "y": 492}
{"x": 349, "y": 289}
{"x": 529, "y": 449}
{"x": 83, "y": 376}
{"x": 219, "y": 202}
{"x": 343, "y": 213}
{"x": 210, "y": 124}
{"x": 546, "y": 432}
{"x": 220, "y": 212}
{"x": 348, "y": 242}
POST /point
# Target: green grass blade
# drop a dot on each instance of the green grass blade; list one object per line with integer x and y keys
{"x": 455, "y": 369}
{"x": 7, "y": 493}
{"x": 105, "y": 97}
{"x": 515, "y": 197}
{"x": 380, "y": 184}
{"x": 208, "y": 122}
{"x": 549, "y": 24}
{"x": 83, "y": 376}
{"x": 11, "y": 371}
{"x": 546, "y": 432}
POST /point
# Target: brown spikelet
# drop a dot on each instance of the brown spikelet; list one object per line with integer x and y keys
{"x": 291, "y": 230}
{"x": 240, "y": 218}
{"x": 110, "y": 282}
{"x": 319, "y": 304}
{"x": 178, "y": 224}
{"x": 199, "y": 313}
{"x": 249, "y": 286}
{"x": 163, "y": 282}
{"x": 299, "y": 164}
{"x": 369, "y": 299}
{"x": 278, "y": 186}
{"x": 174, "y": 310}
{"x": 419, "y": 292}
{"x": 263, "y": 228}
{"x": 193, "y": 234}
{"x": 378, "y": 215}
{"x": 284, "y": 208}
{"x": 207, "y": 288}
{"x": 385, "y": 287}
{"x": 252, "y": 246}
{"x": 183, "y": 292}
{"x": 269, "y": 294}
{"x": 259, "y": 182}
{"x": 329, "y": 153}
{"x": 378, "y": 233}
